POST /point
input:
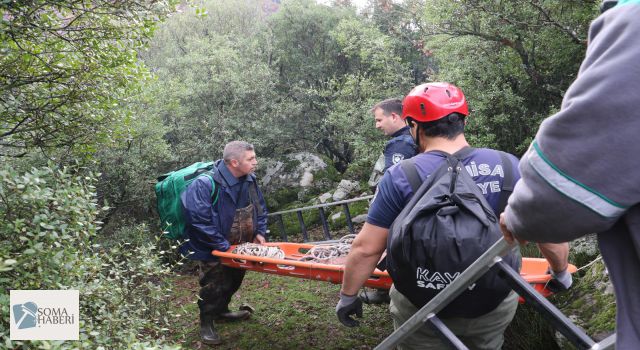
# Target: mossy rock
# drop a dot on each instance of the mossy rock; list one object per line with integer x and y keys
{"x": 287, "y": 172}
{"x": 325, "y": 178}
{"x": 590, "y": 303}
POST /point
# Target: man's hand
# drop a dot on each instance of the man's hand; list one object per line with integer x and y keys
{"x": 508, "y": 236}
{"x": 560, "y": 281}
{"x": 347, "y": 306}
{"x": 259, "y": 239}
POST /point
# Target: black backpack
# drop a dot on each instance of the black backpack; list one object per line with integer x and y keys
{"x": 443, "y": 229}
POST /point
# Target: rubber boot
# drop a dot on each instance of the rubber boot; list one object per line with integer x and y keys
{"x": 208, "y": 334}
{"x": 376, "y": 296}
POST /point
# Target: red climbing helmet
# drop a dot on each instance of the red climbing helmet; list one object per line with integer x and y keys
{"x": 432, "y": 101}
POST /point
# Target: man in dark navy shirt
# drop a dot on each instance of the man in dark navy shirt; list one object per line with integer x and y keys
{"x": 235, "y": 212}
{"x": 387, "y": 115}
{"x": 436, "y": 114}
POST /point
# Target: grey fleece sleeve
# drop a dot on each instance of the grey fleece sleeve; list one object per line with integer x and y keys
{"x": 582, "y": 172}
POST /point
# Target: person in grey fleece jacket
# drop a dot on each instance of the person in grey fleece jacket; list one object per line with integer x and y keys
{"x": 581, "y": 174}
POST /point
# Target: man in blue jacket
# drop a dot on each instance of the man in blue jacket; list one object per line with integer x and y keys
{"x": 235, "y": 212}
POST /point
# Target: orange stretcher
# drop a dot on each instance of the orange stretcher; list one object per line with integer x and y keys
{"x": 533, "y": 269}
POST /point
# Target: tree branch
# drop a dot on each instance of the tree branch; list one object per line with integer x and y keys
{"x": 571, "y": 33}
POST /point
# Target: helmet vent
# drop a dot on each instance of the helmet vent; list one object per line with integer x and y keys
{"x": 448, "y": 93}
{"x": 423, "y": 109}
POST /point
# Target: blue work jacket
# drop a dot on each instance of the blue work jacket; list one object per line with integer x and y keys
{"x": 207, "y": 227}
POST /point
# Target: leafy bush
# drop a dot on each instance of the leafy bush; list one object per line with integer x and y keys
{"x": 281, "y": 198}
{"x": 48, "y": 240}
{"x": 47, "y": 221}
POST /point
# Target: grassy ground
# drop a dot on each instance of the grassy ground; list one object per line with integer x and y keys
{"x": 290, "y": 313}
{"x": 293, "y": 313}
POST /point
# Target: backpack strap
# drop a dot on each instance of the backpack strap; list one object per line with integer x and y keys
{"x": 214, "y": 188}
{"x": 409, "y": 168}
{"x": 453, "y": 163}
{"x": 507, "y": 181}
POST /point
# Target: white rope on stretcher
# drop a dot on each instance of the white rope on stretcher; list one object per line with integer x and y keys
{"x": 323, "y": 252}
{"x": 260, "y": 250}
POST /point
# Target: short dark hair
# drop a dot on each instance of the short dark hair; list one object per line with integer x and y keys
{"x": 388, "y": 106}
{"x": 450, "y": 126}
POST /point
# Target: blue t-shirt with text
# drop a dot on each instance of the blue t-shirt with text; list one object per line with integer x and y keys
{"x": 394, "y": 191}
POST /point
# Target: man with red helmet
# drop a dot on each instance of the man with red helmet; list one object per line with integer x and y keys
{"x": 436, "y": 114}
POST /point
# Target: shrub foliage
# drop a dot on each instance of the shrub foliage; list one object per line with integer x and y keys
{"x": 48, "y": 240}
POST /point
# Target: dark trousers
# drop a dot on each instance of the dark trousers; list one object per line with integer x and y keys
{"x": 218, "y": 283}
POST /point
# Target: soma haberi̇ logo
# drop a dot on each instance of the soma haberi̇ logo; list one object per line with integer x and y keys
{"x": 24, "y": 315}
{"x": 44, "y": 314}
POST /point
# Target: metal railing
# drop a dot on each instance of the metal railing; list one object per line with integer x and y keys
{"x": 323, "y": 217}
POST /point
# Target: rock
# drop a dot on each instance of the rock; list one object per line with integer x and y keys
{"x": 590, "y": 302}
{"x": 608, "y": 289}
{"x": 376, "y": 173}
{"x": 339, "y": 195}
{"x": 271, "y": 170}
{"x": 359, "y": 219}
{"x": 296, "y": 170}
{"x": 345, "y": 187}
{"x": 307, "y": 179}
{"x": 335, "y": 217}
{"x": 325, "y": 197}
{"x": 587, "y": 245}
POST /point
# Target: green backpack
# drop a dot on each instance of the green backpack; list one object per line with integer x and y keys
{"x": 168, "y": 190}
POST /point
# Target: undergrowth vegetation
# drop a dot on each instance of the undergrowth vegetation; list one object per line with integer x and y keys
{"x": 48, "y": 240}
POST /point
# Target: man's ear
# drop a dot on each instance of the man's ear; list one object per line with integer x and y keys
{"x": 234, "y": 163}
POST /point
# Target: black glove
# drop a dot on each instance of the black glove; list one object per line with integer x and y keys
{"x": 347, "y": 306}
{"x": 560, "y": 281}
